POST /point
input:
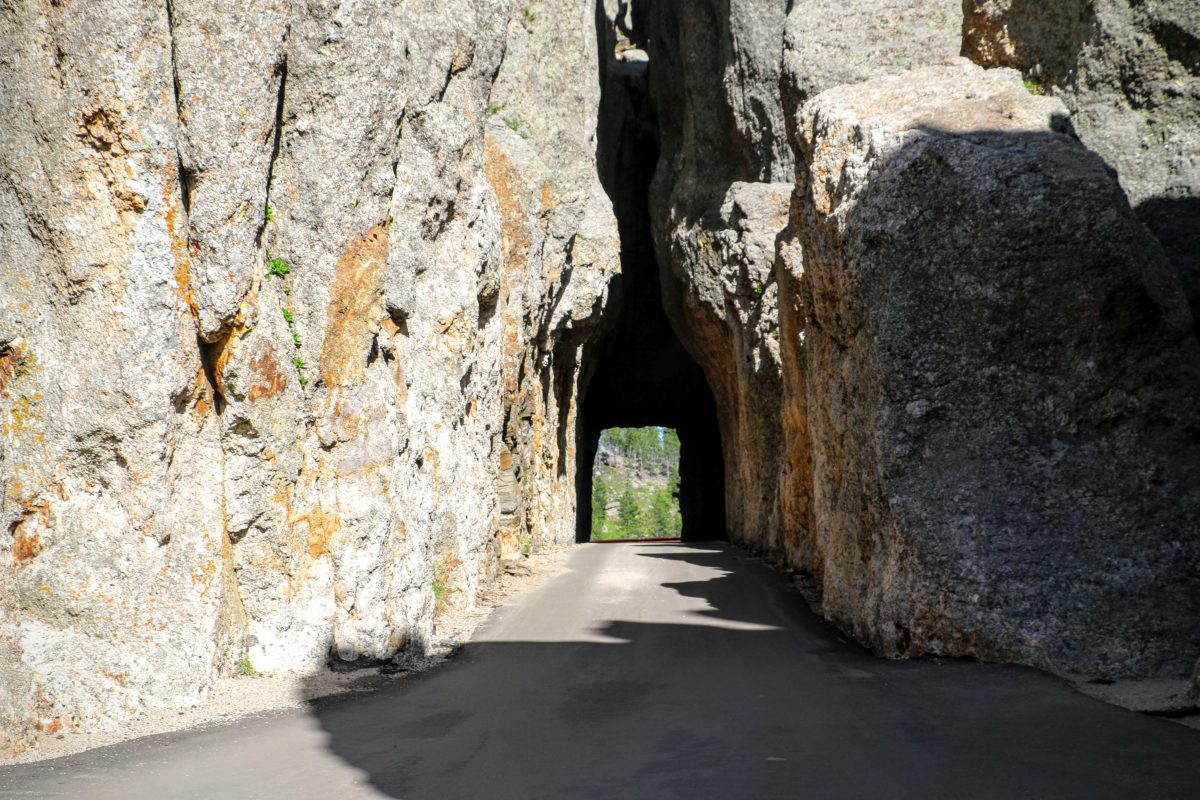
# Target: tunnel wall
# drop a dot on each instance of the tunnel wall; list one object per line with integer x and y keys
{"x": 915, "y": 545}
{"x": 291, "y": 300}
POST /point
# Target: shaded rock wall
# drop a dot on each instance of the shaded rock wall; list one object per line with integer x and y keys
{"x": 1004, "y": 529}
{"x": 204, "y": 462}
{"x": 1130, "y": 74}
{"x": 1006, "y": 456}
{"x": 717, "y": 200}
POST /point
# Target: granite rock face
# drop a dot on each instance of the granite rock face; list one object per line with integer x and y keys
{"x": 826, "y": 45}
{"x": 719, "y": 201}
{"x": 718, "y": 198}
{"x": 1001, "y": 384}
{"x": 291, "y": 304}
{"x": 1129, "y": 72}
{"x": 116, "y": 568}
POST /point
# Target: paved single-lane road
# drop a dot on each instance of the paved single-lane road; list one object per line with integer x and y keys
{"x": 661, "y": 671}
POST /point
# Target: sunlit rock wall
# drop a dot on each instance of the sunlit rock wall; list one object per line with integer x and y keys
{"x": 204, "y": 462}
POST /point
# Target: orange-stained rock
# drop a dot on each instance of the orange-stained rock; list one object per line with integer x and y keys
{"x": 355, "y": 308}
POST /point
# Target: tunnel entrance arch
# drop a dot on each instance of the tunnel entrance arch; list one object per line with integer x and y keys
{"x": 701, "y": 480}
{"x": 636, "y": 375}
{"x": 635, "y": 485}
{"x": 635, "y": 372}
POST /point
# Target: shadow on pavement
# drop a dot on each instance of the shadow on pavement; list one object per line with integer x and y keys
{"x": 755, "y": 698}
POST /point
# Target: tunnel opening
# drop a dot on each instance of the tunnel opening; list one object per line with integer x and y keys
{"x": 635, "y": 372}
{"x": 635, "y": 486}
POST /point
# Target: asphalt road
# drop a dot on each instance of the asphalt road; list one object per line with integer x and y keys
{"x": 662, "y": 671}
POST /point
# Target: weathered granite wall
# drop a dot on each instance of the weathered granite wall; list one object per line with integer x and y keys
{"x": 1002, "y": 384}
{"x": 976, "y": 539}
{"x": 1129, "y": 72}
{"x": 204, "y": 461}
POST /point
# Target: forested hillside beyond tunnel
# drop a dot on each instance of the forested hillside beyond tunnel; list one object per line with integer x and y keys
{"x": 312, "y": 317}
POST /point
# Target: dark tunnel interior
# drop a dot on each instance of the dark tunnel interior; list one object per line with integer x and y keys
{"x": 635, "y": 372}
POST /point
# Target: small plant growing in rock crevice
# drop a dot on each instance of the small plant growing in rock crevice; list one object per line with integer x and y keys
{"x": 300, "y": 366}
{"x": 297, "y": 362}
{"x": 246, "y": 669}
{"x": 528, "y": 15}
{"x": 440, "y": 581}
{"x": 277, "y": 267}
{"x": 439, "y": 594}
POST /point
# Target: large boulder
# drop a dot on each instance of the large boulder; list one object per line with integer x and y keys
{"x": 1001, "y": 383}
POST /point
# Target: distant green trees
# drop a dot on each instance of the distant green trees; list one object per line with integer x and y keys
{"x": 601, "y": 491}
{"x": 650, "y": 446}
{"x": 664, "y": 512}
{"x": 629, "y": 510}
{"x": 643, "y": 484}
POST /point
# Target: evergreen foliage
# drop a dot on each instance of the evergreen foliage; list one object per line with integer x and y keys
{"x": 641, "y": 478}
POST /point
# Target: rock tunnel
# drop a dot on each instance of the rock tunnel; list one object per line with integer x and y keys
{"x": 365, "y": 358}
{"x": 635, "y": 371}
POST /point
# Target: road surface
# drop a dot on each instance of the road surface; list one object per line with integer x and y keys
{"x": 661, "y": 671}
